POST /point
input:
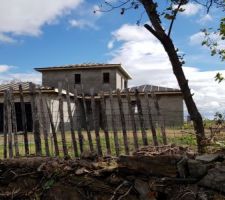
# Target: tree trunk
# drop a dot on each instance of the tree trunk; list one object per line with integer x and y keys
{"x": 168, "y": 45}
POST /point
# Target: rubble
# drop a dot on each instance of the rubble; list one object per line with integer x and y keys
{"x": 162, "y": 173}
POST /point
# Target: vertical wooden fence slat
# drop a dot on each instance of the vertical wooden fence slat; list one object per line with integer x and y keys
{"x": 141, "y": 118}
{"x": 115, "y": 133}
{"x": 44, "y": 123}
{"x": 105, "y": 123}
{"x": 54, "y": 134}
{"x": 151, "y": 123}
{"x": 78, "y": 121}
{"x": 36, "y": 125}
{"x": 14, "y": 124}
{"x": 24, "y": 120}
{"x": 9, "y": 122}
{"x": 133, "y": 124}
{"x": 75, "y": 149}
{"x": 160, "y": 119}
{"x": 95, "y": 119}
{"x": 61, "y": 123}
{"x": 123, "y": 123}
{"x": 5, "y": 123}
{"x": 87, "y": 123}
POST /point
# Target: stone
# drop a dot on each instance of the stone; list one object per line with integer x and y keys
{"x": 207, "y": 158}
{"x": 215, "y": 179}
{"x": 196, "y": 168}
{"x": 163, "y": 165}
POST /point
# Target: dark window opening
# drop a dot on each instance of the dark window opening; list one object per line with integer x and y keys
{"x": 28, "y": 113}
{"x": 106, "y": 77}
{"x": 77, "y": 78}
{"x": 125, "y": 84}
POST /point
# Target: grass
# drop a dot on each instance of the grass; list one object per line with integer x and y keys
{"x": 175, "y": 136}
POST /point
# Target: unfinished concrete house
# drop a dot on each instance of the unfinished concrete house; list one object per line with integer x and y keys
{"x": 95, "y": 78}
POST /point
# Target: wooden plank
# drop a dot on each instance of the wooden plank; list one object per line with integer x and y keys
{"x": 141, "y": 118}
{"x": 95, "y": 119}
{"x": 14, "y": 123}
{"x": 72, "y": 129}
{"x": 5, "y": 123}
{"x": 36, "y": 125}
{"x": 78, "y": 120}
{"x": 87, "y": 123}
{"x": 132, "y": 118}
{"x": 9, "y": 122}
{"x": 123, "y": 123}
{"x": 105, "y": 123}
{"x": 24, "y": 120}
{"x": 61, "y": 121}
{"x": 43, "y": 121}
{"x": 115, "y": 133}
{"x": 160, "y": 118}
{"x": 54, "y": 134}
{"x": 151, "y": 123}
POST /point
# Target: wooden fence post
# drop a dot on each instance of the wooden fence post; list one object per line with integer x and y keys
{"x": 78, "y": 111}
{"x": 105, "y": 123}
{"x": 36, "y": 125}
{"x": 95, "y": 119}
{"x": 61, "y": 123}
{"x": 5, "y": 123}
{"x": 160, "y": 119}
{"x": 24, "y": 120}
{"x": 151, "y": 123}
{"x": 43, "y": 120}
{"x": 75, "y": 149}
{"x": 9, "y": 122}
{"x": 115, "y": 134}
{"x": 87, "y": 124}
{"x": 133, "y": 124}
{"x": 14, "y": 123}
{"x": 54, "y": 134}
{"x": 141, "y": 118}
{"x": 123, "y": 123}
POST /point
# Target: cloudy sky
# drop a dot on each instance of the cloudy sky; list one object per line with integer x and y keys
{"x": 42, "y": 33}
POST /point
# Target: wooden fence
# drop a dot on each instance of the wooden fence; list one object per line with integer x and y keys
{"x": 99, "y": 138}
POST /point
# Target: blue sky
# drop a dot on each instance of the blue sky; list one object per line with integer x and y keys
{"x": 43, "y": 33}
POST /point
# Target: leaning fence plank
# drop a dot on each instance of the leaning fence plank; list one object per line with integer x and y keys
{"x": 24, "y": 120}
{"x": 95, "y": 119}
{"x": 123, "y": 123}
{"x": 105, "y": 123}
{"x": 132, "y": 118}
{"x": 75, "y": 149}
{"x": 9, "y": 122}
{"x": 113, "y": 116}
{"x": 5, "y": 123}
{"x": 160, "y": 119}
{"x": 141, "y": 118}
{"x": 87, "y": 123}
{"x": 36, "y": 124}
{"x": 78, "y": 121}
{"x": 44, "y": 123}
{"x": 14, "y": 123}
{"x": 54, "y": 134}
{"x": 151, "y": 123}
{"x": 61, "y": 123}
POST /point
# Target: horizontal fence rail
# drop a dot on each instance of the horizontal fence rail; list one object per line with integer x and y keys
{"x": 67, "y": 124}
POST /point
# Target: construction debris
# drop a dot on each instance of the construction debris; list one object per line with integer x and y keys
{"x": 162, "y": 173}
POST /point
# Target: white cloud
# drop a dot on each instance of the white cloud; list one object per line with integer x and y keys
{"x": 82, "y": 23}
{"x": 144, "y": 57}
{"x": 197, "y": 38}
{"x": 191, "y": 9}
{"x": 4, "y": 68}
{"x": 23, "y": 17}
{"x": 205, "y": 19}
{"x": 6, "y": 39}
{"x": 110, "y": 44}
